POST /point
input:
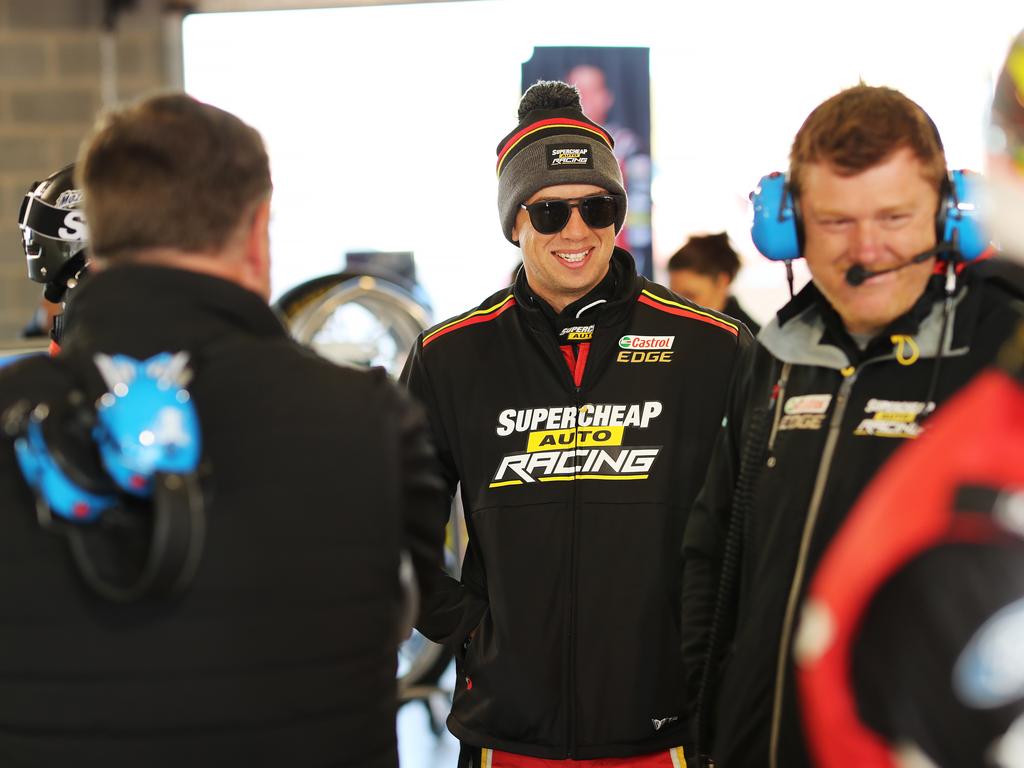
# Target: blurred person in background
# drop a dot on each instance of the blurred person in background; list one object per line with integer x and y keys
{"x": 703, "y": 270}
{"x": 55, "y": 239}
{"x": 597, "y": 99}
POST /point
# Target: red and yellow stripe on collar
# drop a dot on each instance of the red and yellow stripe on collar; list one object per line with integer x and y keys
{"x": 479, "y": 316}
{"x": 552, "y": 125}
{"x": 675, "y": 308}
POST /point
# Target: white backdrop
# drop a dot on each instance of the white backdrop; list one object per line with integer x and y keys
{"x": 382, "y": 122}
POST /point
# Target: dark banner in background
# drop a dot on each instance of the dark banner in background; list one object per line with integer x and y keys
{"x": 615, "y": 89}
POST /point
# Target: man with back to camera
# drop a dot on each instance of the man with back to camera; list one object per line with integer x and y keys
{"x": 703, "y": 269}
{"x": 577, "y": 410}
{"x": 910, "y": 645}
{"x": 847, "y": 370}
{"x": 256, "y": 622}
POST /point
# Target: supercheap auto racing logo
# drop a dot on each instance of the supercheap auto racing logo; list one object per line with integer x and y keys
{"x": 892, "y": 418}
{"x": 569, "y": 443}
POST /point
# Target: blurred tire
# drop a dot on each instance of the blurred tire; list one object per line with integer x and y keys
{"x": 355, "y": 319}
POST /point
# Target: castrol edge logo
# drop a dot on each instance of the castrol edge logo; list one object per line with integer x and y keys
{"x": 646, "y": 342}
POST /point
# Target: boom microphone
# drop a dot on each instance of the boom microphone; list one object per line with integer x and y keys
{"x": 857, "y": 274}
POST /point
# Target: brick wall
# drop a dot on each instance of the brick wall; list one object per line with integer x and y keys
{"x": 58, "y": 67}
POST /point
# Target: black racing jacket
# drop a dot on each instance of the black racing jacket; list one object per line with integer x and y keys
{"x": 577, "y": 485}
{"x": 922, "y": 594}
{"x": 282, "y": 651}
{"x": 825, "y": 415}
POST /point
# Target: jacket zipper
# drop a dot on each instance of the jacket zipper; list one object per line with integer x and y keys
{"x": 571, "y": 698}
{"x": 574, "y": 367}
{"x": 568, "y": 365}
{"x": 835, "y": 425}
{"x": 779, "y": 395}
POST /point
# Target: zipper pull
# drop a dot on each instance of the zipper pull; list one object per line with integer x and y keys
{"x": 778, "y": 393}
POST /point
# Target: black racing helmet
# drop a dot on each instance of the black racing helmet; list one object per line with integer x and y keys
{"x": 53, "y": 228}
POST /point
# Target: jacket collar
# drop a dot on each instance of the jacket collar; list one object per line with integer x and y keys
{"x": 142, "y": 310}
{"x": 605, "y": 304}
{"x": 808, "y": 331}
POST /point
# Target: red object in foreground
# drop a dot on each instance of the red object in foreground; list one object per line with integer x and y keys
{"x": 974, "y": 439}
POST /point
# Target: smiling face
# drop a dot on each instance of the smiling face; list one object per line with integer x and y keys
{"x": 565, "y": 266}
{"x": 879, "y": 219}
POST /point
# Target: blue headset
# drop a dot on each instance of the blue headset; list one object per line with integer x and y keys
{"x": 778, "y": 234}
{"x": 141, "y": 440}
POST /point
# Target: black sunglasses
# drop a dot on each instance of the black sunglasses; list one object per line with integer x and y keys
{"x": 551, "y": 216}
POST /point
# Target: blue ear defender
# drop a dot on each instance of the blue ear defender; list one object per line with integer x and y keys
{"x": 146, "y": 422}
{"x": 960, "y": 215}
{"x": 62, "y": 489}
{"x": 137, "y": 448}
{"x": 775, "y": 228}
{"x": 777, "y": 231}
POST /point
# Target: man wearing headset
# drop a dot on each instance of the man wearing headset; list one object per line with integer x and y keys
{"x": 248, "y": 611}
{"x": 911, "y": 645}
{"x": 577, "y": 409}
{"x": 847, "y": 371}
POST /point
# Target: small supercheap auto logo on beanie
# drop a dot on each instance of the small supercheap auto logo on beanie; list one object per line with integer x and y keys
{"x": 569, "y": 156}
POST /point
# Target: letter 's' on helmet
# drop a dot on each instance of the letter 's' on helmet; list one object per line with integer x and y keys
{"x": 53, "y": 228}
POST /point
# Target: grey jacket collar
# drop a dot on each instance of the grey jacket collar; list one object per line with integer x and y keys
{"x": 799, "y": 340}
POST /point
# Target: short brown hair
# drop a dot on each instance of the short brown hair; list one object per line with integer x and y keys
{"x": 861, "y": 127}
{"x": 708, "y": 255}
{"x": 170, "y": 172}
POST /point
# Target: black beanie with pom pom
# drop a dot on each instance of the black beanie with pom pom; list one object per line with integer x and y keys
{"x": 554, "y": 143}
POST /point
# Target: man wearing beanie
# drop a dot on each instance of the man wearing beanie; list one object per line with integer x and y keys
{"x": 577, "y": 409}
